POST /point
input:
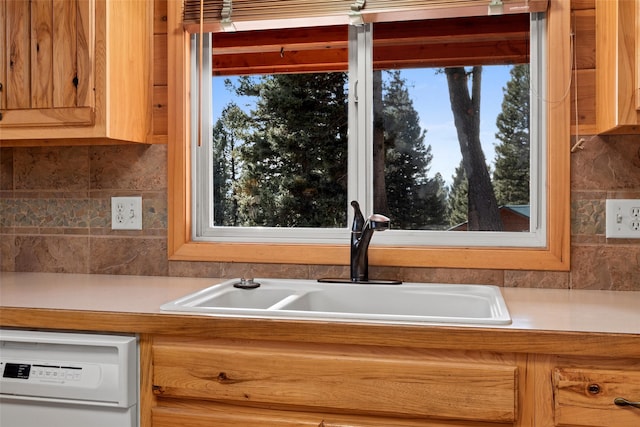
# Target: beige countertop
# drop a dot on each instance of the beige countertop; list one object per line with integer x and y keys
{"x": 615, "y": 312}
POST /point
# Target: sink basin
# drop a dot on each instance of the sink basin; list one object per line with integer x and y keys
{"x": 306, "y": 299}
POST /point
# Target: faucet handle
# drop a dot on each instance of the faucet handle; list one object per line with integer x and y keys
{"x": 379, "y": 222}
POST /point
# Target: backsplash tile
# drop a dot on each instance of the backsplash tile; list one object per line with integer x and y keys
{"x": 7, "y": 214}
{"x": 537, "y": 279}
{"x": 46, "y": 226}
{"x": 588, "y": 215}
{"x": 453, "y": 275}
{"x": 51, "y": 213}
{"x": 51, "y": 168}
{"x": 607, "y": 163}
{"x": 128, "y": 255}
{"x": 612, "y": 267}
{"x": 195, "y": 269}
{"x": 6, "y": 169}
{"x": 59, "y": 254}
{"x": 55, "y": 209}
{"x": 240, "y": 269}
{"x": 129, "y": 167}
{"x": 7, "y": 253}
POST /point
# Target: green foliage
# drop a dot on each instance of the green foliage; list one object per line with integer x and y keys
{"x": 294, "y": 156}
{"x": 227, "y": 135}
{"x": 284, "y": 163}
{"x": 458, "y": 198}
{"x": 511, "y": 175}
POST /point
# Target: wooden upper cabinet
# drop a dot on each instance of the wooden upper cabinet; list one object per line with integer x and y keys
{"x": 618, "y": 66}
{"x": 75, "y": 71}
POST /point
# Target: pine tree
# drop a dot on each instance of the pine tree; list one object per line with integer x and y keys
{"x": 458, "y": 197}
{"x": 227, "y": 135}
{"x": 414, "y": 200}
{"x": 295, "y": 155}
{"x": 511, "y": 175}
{"x": 436, "y": 203}
{"x": 292, "y": 159}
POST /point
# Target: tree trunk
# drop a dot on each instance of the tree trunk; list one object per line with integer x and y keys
{"x": 483, "y": 212}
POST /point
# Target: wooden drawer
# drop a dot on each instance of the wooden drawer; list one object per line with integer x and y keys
{"x": 383, "y": 384}
{"x": 584, "y": 397}
{"x": 198, "y": 413}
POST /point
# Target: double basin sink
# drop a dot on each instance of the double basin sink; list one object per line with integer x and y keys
{"x": 413, "y": 303}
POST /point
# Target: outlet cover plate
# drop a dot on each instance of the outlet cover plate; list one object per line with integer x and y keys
{"x": 623, "y": 219}
{"x": 126, "y": 213}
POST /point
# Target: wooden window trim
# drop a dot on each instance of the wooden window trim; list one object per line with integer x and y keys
{"x": 251, "y": 15}
{"x": 553, "y": 257}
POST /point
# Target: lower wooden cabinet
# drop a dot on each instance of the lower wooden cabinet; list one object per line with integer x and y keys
{"x": 586, "y": 397}
{"x": 267, "y": 384}
{"x": 197, "y": 382}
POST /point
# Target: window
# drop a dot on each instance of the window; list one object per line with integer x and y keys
{"x": 328, "y": 243}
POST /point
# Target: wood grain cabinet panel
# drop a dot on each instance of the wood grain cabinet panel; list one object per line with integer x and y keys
{"x": 618, "y": 66}
{"x": 387, "y": 385}
{"x": 585, "y": 397}
{"x": 207, "y": 414}
{"x": 75, "y": 70}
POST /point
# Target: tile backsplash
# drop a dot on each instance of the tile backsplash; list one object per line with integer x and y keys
{"x": 55, "y": 209}
{"x": 55, "y": 217}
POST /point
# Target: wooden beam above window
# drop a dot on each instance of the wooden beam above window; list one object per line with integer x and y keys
{"x": 434, "y": 43}
{"x": 251, "y": 15}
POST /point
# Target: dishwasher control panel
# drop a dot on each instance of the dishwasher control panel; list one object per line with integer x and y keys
{"x": 50, "y": 372}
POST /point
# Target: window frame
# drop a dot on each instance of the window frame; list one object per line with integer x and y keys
{"x": 554, "y": 256}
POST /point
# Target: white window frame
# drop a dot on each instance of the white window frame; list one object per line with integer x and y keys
{"x": 360, "y": 182}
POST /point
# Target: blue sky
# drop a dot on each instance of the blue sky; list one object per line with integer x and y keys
{"x": 436, "y": 116}
{"x": 431, "y": 99}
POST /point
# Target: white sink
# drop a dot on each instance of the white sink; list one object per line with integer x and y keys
{"x": 306, "y": 299}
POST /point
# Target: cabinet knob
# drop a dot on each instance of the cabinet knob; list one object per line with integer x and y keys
{"x": 593, "y": 388}
{"x": 620, "y": 401}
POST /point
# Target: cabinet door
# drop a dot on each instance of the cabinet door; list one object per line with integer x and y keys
{"x": 46, "y": 71}
{"x": 618, "y": 66}
{"x": 585, "y": 397}
{"x": 386, "y": 385}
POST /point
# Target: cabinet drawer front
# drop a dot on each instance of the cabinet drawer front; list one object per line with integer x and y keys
{"x": 384, "y": 385}
{"x": 198, "y": 413}
{"x": 584, "y": 397}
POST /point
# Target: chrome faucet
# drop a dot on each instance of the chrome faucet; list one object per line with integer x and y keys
{"x": 361, "y": 233}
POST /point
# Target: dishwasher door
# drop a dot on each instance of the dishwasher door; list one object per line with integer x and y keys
{"x": 68, "y": 379}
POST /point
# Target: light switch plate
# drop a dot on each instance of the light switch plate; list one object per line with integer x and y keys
{"x": 623, "y": 219}
{"x": 126, "y": 213}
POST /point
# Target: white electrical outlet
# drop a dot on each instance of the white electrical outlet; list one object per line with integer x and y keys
{"x": 126, "y": 213}
{"x": 623, "y": 218}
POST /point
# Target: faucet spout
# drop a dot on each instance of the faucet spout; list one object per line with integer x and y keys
{"x": 361, "y": 233}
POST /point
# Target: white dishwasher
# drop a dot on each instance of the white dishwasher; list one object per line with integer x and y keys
{"x": 57, "y": 379}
